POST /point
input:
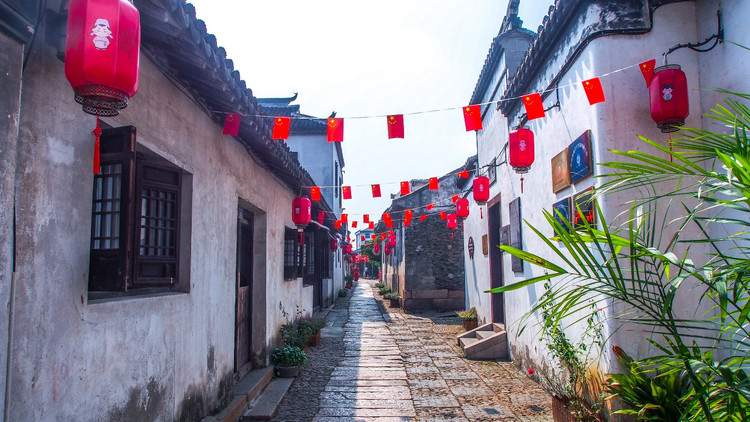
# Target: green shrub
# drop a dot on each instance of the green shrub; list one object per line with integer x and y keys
{"x": 288, "y": 356}
{"x": 468, "y": 315}
{"x": 384, "y": 291}
{"x": 392, "y": 296}
{"x": 379, "y": 285}
{"x": 296, "y": 334}
{"x": 343, "y": 292}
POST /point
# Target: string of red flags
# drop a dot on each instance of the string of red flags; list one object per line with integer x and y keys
{"x": 594, "y": 90}
{"x": 395, "y": 126}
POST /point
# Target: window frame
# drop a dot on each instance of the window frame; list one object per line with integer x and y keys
{"x": 290, "y": 272}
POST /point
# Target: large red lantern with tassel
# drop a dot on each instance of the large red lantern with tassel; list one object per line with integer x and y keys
{"x": 521, "y": 150}
{"x": 301, "y": 211}
{"x": 462, "y": 207}
{"x": 481, "y": 190}
{"x": 668, "y": 90}
{"x": 102, "y": 54}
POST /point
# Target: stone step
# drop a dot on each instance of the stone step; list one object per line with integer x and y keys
{"x": 468, "y": 341}
{"x": 483, "y": 334}
{"x": 244, "y": 392}
{"x": 264, "y": 408}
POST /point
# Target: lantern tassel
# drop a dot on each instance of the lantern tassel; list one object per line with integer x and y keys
{"x": 97, "y": 160}
{"x": 671, "y": 158}
{"x": 481, "y": 214}
{"x": 521, "y": 184}
{"x": 301, "y": 237}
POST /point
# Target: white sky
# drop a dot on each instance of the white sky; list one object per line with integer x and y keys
{"x": 365, "y": 58}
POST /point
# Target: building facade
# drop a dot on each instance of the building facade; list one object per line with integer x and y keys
{"x": 325, "y": 162}
{"x": 579, "y": 40}
{"x": 426, "y": 266}
{"x": 145, "y": 292}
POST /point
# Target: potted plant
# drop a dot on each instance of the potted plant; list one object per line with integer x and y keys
{"x": 394, "y": 298}
{"x": 348, "y": 279}
{"x": 287, "y": 360}
{"x": 310, "y": 327}
{"x": 379, "y": 285}
{"x": 343, "y": 293}
{"x": 469, "y": 318}
{"x": 384, "y": 290}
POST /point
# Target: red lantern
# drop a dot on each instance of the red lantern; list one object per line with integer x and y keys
{"x": 391, "y": 240}
{"x": 481, "y": 190}
{"x": 348, "y": 249}
{"x": 334, "y": 245}
{"x": 669, "y": 97}
{"x": 388, "y": 251}
{"x": 301, "y": 211}
{"x": 102, "y": 53}
{"x": 376, "y": 248}
{"x": 452, "y": 221}
{"x": 521, "y": 150}
{"x": 462, "y": 207}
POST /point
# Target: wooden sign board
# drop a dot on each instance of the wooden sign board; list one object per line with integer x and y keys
{"x": 485, "y": 245}
{"x": 471, "y": 247}
{"x": 560, "y": 171}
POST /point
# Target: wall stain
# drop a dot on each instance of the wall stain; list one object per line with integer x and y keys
{"x": 143, "y": 405}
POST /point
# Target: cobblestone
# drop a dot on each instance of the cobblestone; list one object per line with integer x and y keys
{"x": 406, "y": 369}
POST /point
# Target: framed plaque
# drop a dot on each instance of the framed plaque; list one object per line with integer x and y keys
{"x": 584, "y": 202}
{"x": 580, "y": 158}
{"x": 560, "y": 171}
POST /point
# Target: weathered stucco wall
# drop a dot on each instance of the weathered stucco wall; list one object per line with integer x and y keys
{"x": 140, "y": 358}
{"x": 11, "y": 57}
{"x": 614, "y": 124}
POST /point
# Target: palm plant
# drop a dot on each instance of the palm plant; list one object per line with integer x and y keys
{"x": 687, "y": 195}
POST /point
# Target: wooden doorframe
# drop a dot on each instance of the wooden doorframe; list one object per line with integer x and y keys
{"x": 241, "y": 368}
{"x": 497, "y": 278}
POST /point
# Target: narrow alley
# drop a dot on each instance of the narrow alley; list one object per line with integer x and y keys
{"x": 390, "y": 366}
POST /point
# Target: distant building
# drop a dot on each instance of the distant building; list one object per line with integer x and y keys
{"x": 325, "y": 162}
{"x": 363, "y": 236}
{"x": 426, "y": 267}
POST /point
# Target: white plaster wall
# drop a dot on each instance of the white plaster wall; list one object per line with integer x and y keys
{"x": 82, "y": 361}
{"x": 614, "y": 124}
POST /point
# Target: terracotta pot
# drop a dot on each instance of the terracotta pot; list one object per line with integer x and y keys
{"x": 314, "y": 341}
{"x": 287, "y": 371}
{"x": 560, "y": 412}
{"x": 395, "y": 303}
{"x": 470, "y": 324}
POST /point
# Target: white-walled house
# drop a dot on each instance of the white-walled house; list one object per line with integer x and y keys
{"x": 579, "y": 40}
{"x": 145, "y": 292}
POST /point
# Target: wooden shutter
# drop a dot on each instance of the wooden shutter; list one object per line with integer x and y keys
{"x": 158, "y": 223}
{"x": 112, "y": 211}
{"x": 291, "y": 246}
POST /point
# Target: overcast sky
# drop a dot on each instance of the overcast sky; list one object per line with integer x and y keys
{"x": 370, "y": 58}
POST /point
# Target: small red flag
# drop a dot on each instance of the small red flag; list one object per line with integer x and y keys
{"x": 321, "y": 217}
{"x": 339, "y": 223}
{"x": 594, "y": 90}
{"x": 363, "y": 238}
{"x": 376, "y": 191}
{"x": 373, "y": 236}
{"x": 473, "y": 118}
{"x": 434, "y": 183}
{"x": 405, "y": 188}
{"x": 281, "y": 127}
{"x": 442, "y": 215}
{"x": 232, "y": 124}
{"x": 423, "y": 217}
{"x": 335, "y": 129}
{"x": 454, "y": 198}
{"x": 366, "y": 218}
{"x": 395, "y": 126}
{"x": 430, "y": 206}
{"x": 346, "y": 192}
{"x": 315, "y": 193}
{"x": 534, "y": 106}
{"x": 354, "y": 224}
{"x": 372, "y": 225}
{"x": 344, "y": 218}
{"x": 647, "y": 69}
{"x": 463, "y": 174}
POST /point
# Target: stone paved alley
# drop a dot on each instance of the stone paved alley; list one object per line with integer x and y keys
{"x": 392, "y": 366}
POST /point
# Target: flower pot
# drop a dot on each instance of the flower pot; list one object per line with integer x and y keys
{"x": 314, "y": 340}
{"x": 470, "y": 324}
{"x": 395, "y": 303}
{"x": 287, "y": 371}
{"x": 560, "y": 411}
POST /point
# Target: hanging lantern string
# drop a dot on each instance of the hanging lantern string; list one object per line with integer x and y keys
{"x": 434, "y": 110}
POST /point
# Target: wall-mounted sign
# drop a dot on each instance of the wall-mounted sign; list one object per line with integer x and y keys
{"x": 580, "y": 158}
{"x": 560, "y": 171}
{"x": 471, "y": 247}
{"x": 485, "y": 245}
{"x": 561, "y": 211}
{"x": 585, "y": 202}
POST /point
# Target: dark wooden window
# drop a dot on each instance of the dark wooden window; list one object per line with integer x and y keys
{"x": 309, "y": 253}
{"x": 140, "y": 217}
{"x": 291, "y": 252}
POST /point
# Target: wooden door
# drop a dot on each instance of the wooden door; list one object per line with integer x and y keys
{"x": 496, "y": 263}
{"x": 243, "y": 322}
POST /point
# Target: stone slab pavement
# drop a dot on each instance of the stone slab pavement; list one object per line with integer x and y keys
{"x": 404, "y": 368}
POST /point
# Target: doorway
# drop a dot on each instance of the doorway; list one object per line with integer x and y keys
{"x": 243, "y": 342}
{"x": 496, "y": 259}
